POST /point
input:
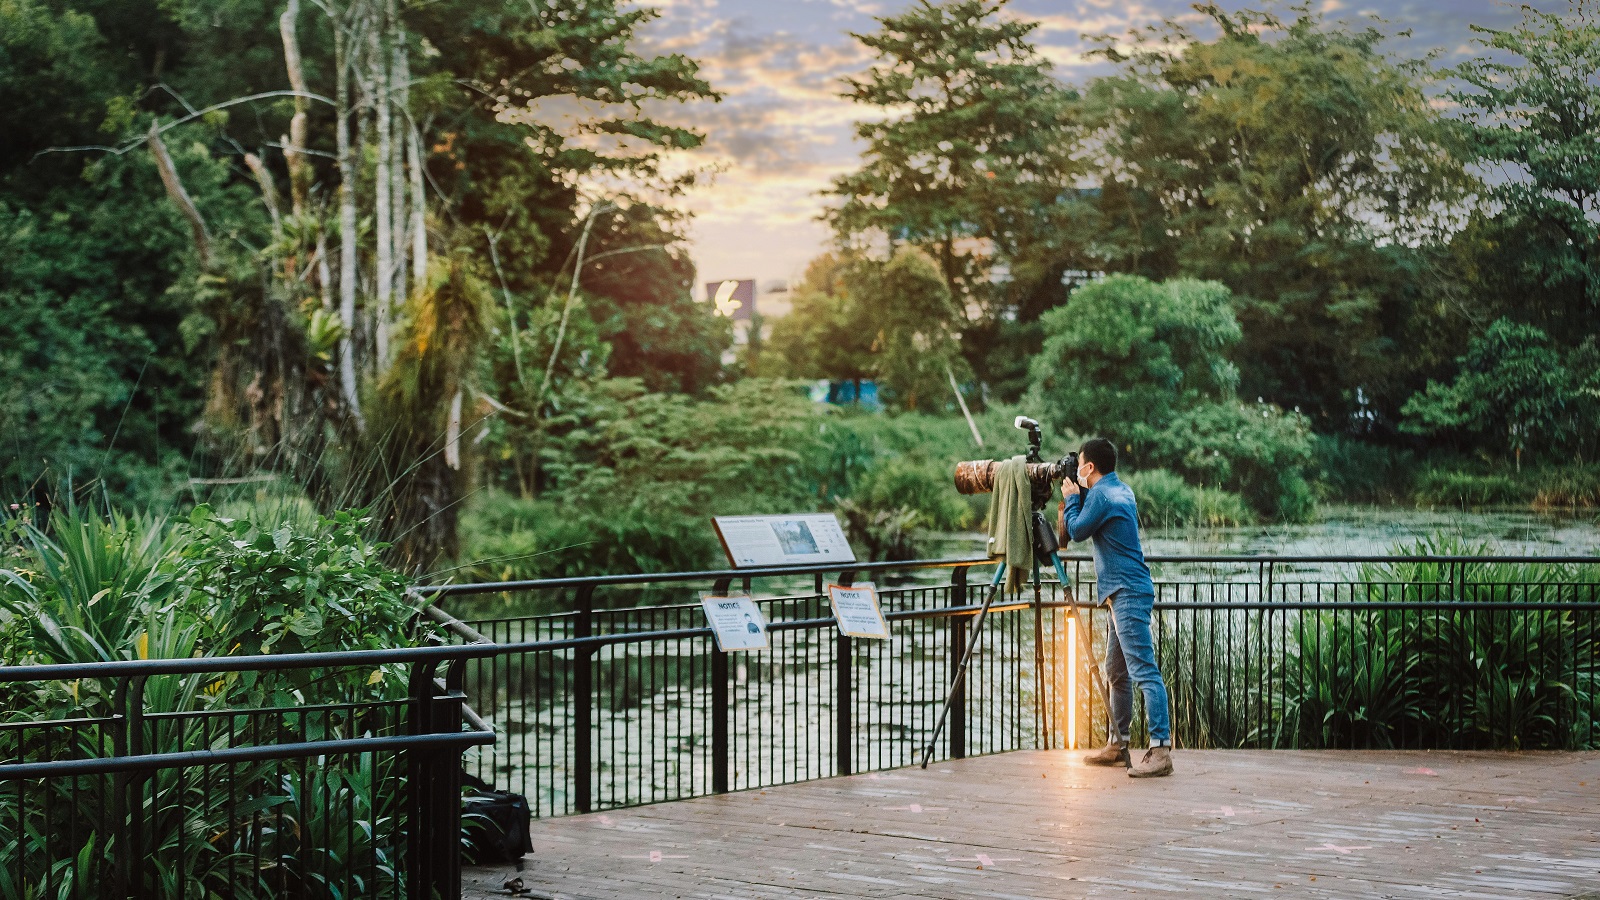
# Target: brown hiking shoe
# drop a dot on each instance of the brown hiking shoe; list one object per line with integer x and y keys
{"x": 1112, "y": 754}
{"x": 1157, "y": 761}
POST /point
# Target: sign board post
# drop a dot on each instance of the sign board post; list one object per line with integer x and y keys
{"x": 790, "y": 540}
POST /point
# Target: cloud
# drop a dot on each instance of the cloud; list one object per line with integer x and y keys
{"x": 782, "y": 132}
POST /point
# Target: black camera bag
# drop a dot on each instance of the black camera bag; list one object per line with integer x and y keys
{"x": 494, "y": 824}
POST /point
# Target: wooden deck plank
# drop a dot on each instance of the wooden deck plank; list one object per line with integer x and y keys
{"x": 1039, "y": 824}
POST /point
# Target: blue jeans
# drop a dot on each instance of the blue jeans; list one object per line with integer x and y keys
{"x": 1131, "y": 657}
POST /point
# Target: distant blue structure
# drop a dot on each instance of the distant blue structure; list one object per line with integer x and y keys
{"x": 848, "y": 393}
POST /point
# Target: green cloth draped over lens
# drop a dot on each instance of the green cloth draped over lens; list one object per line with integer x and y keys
{"x": 1010, "y": 532}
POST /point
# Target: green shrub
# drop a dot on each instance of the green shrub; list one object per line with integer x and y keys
{"x": 1347, "y": 470}
{"x": 1347, "y": 683}
{"x": 1449, "y": 487}
{"x": 924, "y": 487}
{"x": 1167, "y": 501}
{"x": 290, "y": 589}
{"x": 506, "y": 538}
{"x": 889, "y": 533}
{"x": 111, "y": 587}
{"x": 85, "y": 593}
{"x": 1255, "y": 449}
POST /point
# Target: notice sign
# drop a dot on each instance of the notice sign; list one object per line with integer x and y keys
{"x": 856, "y": 610}
{"x": 796, "y": 540}
{"x": 736, "y": 622}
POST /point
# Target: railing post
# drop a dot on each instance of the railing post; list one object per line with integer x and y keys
{"x": 958, "y": 642}
{"x": 447, "y": 719}
{"x": 125, "y": 800}
{"x": 719, "y": 702}
{"x": 434, "y": 779}
{"x": 843, "y": 713}
{"x": 719, "y": 719}
{"x": 1041, "y": 724}
{"x": 421, "y": 833}
{"x": 583, "y": 705}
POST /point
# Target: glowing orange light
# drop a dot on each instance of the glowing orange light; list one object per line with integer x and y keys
{"x": 1072, "y": 682}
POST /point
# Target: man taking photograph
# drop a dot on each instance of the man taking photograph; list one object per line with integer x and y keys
{"x": 1106, "y": 513}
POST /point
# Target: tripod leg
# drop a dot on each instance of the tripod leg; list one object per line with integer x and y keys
{"x": 966, "y": 657}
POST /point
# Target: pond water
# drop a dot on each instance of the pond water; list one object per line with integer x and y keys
{"x": 1338, "y": 531}
{"x": 1369, "y": 531}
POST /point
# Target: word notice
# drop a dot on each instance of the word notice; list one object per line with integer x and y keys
{"x": 736, "y": 622}
{"x": 856, "y": 610}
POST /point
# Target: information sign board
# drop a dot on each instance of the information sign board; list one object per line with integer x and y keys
{"x": 856, "y": 610}
{"x": 790, "y": 540}
{"x": 736, "y": 622}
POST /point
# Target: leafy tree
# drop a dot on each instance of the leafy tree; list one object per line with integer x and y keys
{"x": 1146, "y": 365}
{"x": 1515, "y": 388}
{"x": 1130, "y": 353}
{"x": 640, "y": 280}
{"x": 973, "y": 163}
{"x": 284, "y": 187}
{"x": 908, "y": 312}
{"x": 1293, "y": 161}
{"x": 95, "y": 379}
{"x": 819, "y": 338}
{"x": 1531, "y": 109}
{"x": 1256, "y": 449}
{"x": 856, "y": 318}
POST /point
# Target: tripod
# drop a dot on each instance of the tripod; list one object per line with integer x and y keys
{"x": 1044, "y": 545}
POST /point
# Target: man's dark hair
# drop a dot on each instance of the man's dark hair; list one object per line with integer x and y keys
{"x": 1102, "y": 453}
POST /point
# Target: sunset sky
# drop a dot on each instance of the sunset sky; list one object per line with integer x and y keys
{"x": 782, "y": 133}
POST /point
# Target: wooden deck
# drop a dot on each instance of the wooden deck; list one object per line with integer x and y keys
{"x": 1041, "y": 825}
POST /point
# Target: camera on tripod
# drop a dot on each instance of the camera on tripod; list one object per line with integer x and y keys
{"x": 976, "y": 476}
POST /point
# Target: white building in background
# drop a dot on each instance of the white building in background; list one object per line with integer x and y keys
{"x": 739, "y": 300}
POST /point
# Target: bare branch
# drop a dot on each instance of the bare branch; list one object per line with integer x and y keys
{"x": 169, "y": 178}
{"x": 269, "y": 192}
{"x": 162, "y": 129}
{"x": 572, "y": 296}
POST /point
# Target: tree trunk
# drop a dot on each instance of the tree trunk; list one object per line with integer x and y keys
{"x": 419, "y": 209}
{"x": 383, "y": 199}
{"x": 294, "y": 144}
{"x": 347, "y": 228}
{"x": 400, "y": 94}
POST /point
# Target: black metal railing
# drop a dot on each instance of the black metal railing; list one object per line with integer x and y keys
{"x": 339, "y": 774}
{"x": 162, "y": 782}
{"x": 606, "y": 703}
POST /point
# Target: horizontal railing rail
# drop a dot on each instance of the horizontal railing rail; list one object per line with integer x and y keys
{"x": 604, "y": 705}
{"x": 445, "y": 590}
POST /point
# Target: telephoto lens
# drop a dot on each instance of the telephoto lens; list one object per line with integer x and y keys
{"x": 976, "y": 476}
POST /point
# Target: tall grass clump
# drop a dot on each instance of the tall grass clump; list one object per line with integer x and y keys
{"x": 1568, "y": 487}
{"x": 1167, "y": 501}
{"x": 1468, "y": 490}
{"x": 1523, "y": 674}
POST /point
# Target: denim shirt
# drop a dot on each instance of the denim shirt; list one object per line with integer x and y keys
{"x": 1107, "y": 513}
